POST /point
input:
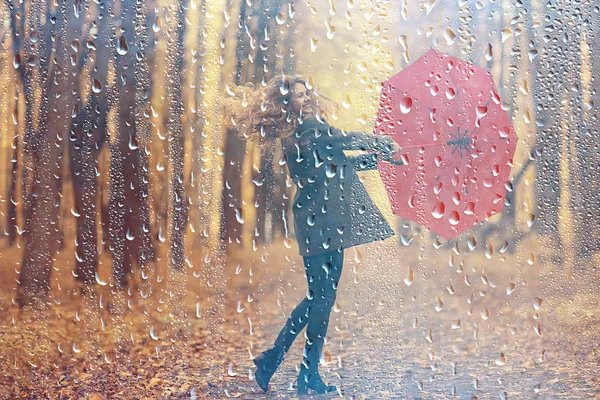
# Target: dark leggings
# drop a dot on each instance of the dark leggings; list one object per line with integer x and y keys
{"x": 323, "y": 272}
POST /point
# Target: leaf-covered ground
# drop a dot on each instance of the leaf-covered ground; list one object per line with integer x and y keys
{"x": 410, "y": 322}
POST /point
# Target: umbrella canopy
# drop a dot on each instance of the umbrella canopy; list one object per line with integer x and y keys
{"x": 457, "y": 143}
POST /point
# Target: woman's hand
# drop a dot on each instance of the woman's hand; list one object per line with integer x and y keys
{"x": 389, "y": 146}
{"x": 388, "y": 149}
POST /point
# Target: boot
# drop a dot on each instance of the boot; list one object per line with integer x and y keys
{"x": 267, "y": 363}
{"x": 269, "y": 360}
{"x": 313, "y": 380}
{"x": 309, "y": 374}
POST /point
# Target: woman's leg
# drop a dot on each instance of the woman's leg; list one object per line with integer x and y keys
{"x": 299, "y": 317}
{"x": 323, "y": 272}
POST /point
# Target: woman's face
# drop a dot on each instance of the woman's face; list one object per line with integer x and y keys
{"x": 301, "y": 100}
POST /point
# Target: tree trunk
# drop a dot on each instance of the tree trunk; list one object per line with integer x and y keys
{"x": 235, "y": 151}
{"x": 178, "y": 202}
{"x": 128, "y": 205}
{"x": 47, "y": 147}
{"x": 11, "y": 212}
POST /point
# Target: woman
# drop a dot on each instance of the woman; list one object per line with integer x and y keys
{"x": 332, "y": 210}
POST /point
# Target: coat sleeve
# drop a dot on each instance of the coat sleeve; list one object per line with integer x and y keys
{"x": 346, "y": 140}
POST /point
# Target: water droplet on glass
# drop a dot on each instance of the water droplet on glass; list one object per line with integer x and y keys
{"x": 454, "y": 218}
{"x": 409, "y": 278}
{"x": 96, "y": 86}
{"x": 99, "y": 281}
{"x": 238, "y": 215}
{"x": 406, "y": 105}
{"x": 485, "y": 314}
{"x": 506, "y": 33}
{"x": 122, "y": 47}
{"x": 439, "y": 305}
{"x": 313, "y": 44}
{"x": 347, "y": 103}
{"x": 450, "y": 36}
{"x": 438, "y": 210}
{"x": 153, "y": 334}
{"x": 501, "y": 360}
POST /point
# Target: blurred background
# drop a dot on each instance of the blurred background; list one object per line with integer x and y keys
{"x": 143, "y": 254}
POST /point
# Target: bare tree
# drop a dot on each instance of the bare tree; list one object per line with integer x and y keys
{"x": 45, "y": 145}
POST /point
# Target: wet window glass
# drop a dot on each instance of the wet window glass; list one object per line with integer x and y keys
{"x": 371, "y": 199}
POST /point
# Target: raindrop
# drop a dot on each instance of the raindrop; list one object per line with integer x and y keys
{"x": 310, "y": 220}
{"x": 489, "y": 52}
{"x": 429, "y": 337}
{"x": 530, "y": 220}
{"x": 485, "y": 314}
{"x": 362, "y": 66}
{"x": 455, "y": 324}
{"x": 531, "y": 259}
{"x": 501, "y": 360}
{"x": 450, "y": 36}
{"x": 438, "y": 210}
{"x": 454, "y": 218}
{"x": 230, "y": 370}
{"x": 406, "y": 105}
{"x": 161, "y": 235}
{"x": 99, "y": 281}
{"x": 429, "y": 4}
{"x": 347, "y": 103}
{"x": 439, "y": 305}
{"x": 406, "y": 239}
{"x": 330, "y": 29}
{"x": 506, "y": 33}
{"x": 284, "y": 88}
{"x": 157, "y": 25}
{"x": 96, "y": 86}
{"x": 471, "y": 243}
{"x": 409, "y": 278}
{"x": 538, "y": 328}
{"x": 313, "y": 44}
{"x": 122, "y": 48}
{"x": 511, "y": 288}
{"x": 129, "y": 235}
{"x": 489, "y": 251}
{"x": 280, "y": 18}
{"x": 532, "y": 54}
{"x": 537, "y": 303}
{"x": 153, "y": 334}
{"x": 238, "y": 215}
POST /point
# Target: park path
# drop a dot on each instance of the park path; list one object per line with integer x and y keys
{"x": 469, "y": 326}
{"x": 410, "y": 322}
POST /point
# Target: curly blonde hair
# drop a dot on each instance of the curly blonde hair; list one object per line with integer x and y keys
{"x": 262, "y": 114}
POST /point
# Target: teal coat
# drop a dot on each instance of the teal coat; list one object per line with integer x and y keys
{"x": 332, "y": 209}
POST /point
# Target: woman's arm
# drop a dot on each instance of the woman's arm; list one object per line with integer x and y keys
{"x": 345, "y": 140}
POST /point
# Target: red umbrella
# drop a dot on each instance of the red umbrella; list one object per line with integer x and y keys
{"x": 457, "y": 143}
